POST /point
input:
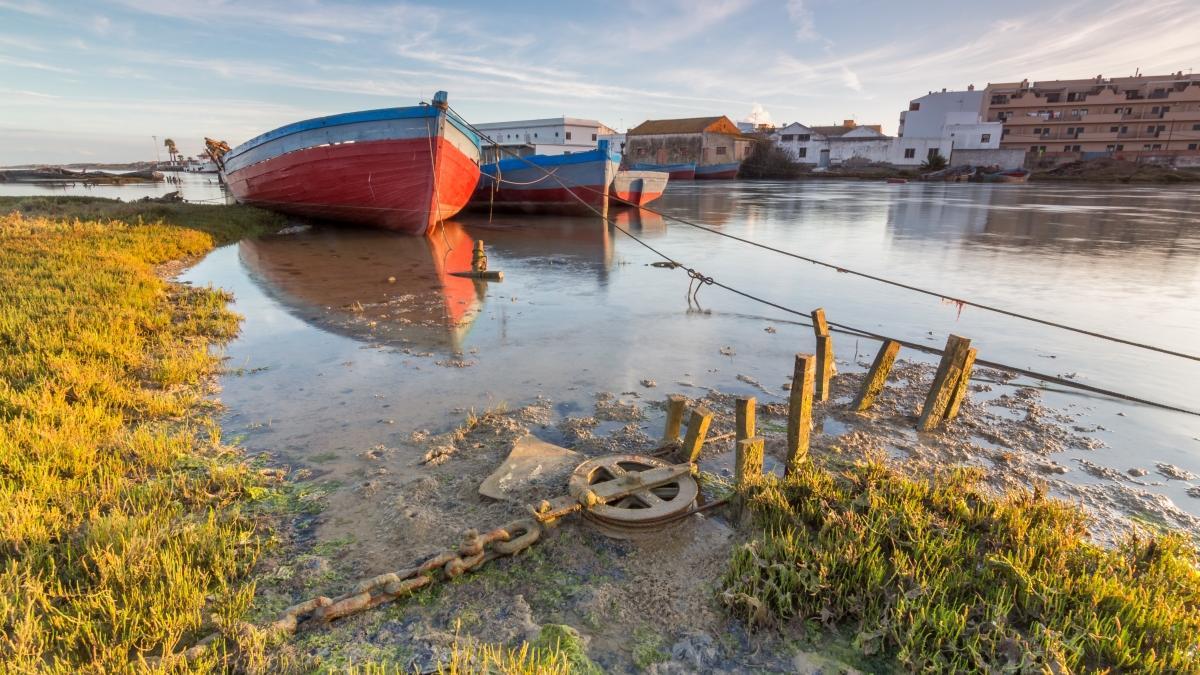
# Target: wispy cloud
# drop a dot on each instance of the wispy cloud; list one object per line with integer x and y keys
{"x": 34, "y": 65}
{"x": 802, "y": 18}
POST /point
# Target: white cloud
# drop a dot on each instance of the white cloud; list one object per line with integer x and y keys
{"x": 758, "y": 115}
{"x": 802, "y": 17}
{"x": 850, "y": 79}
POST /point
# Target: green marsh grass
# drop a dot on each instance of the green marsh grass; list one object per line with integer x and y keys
{"x": 940, "y": 576}
{"x": 125, "y": 523}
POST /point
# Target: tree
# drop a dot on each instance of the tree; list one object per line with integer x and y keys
{"x": 936, "y": 162}
{"x": 767, "y": 160}
{"x": 170, "y": 143}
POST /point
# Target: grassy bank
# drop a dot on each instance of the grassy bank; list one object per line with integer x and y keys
{"x": 123, "y": 524}
{"x": 936, "y": 575}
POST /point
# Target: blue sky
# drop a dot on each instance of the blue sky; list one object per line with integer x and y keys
{"x": 93, "y": 81}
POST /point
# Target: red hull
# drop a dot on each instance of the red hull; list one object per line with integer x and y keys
{"x": 637, "y": 197}
{"x": 689, "y": 174}
{"x": 391, "y": 184}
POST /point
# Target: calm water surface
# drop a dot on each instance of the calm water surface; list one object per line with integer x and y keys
{"x": 339, "y": 358}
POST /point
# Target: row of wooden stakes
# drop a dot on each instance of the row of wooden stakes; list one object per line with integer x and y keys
{"x": 811, "y": 380}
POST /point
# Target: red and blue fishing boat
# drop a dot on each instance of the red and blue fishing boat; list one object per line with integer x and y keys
{"x": 685, "y": 171}
{"x": 726, "y": 171}
{"x": 401, "y": 169}
{"x": 638, "y": 188}
{"x": 549, "y": 183}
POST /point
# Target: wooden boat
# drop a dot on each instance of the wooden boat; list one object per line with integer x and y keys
{"x": 952, "y": 174}
{"x": 896, "y": 181}
{"x": 548, "y": 183}
{"x": 638, "y": 188}
{"x": 685, "y": 171}
{"x": 1010, "y": 176}
{"x": 726, "y": 171}
{"x": 401, "y": 169}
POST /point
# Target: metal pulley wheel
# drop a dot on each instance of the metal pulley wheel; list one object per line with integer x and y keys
{"x": 642, "y": 511}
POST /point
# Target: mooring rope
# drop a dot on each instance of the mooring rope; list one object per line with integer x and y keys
{"x": 708, "y": 280}
{"x": 891, "y": 282}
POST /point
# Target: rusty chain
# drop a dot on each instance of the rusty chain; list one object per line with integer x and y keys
{"x": 475, "y": 551}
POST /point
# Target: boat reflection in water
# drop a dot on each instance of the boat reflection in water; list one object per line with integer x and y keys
{"x": 372, "y": 285}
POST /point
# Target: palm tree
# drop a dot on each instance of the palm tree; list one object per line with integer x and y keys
{"x": 170, "y": 148}
{"x": 936, "y": 162}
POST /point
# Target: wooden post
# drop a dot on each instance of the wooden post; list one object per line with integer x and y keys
{"x": 960, "y": 390}
{"x": 675, "y": 408}
{"x": 478, "y": 257}
{"x": 877, "y": 376}
{"x": 747, "y": 470}
{"x": 945, "y": 381}
{"x": 825, "y": 365}
{"x": 745, "y": 418}
{"x": 800, "y": 410}
{"x": 697, "y": 431}
{"x": 748, "y": 460}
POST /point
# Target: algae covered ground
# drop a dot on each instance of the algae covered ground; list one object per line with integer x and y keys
{"x": 123, "y": 517}
{"x": 941, "y": 576}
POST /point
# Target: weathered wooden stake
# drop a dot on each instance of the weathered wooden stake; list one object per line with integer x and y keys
{"x": 877, "y": 376}
{"x": 479, "y": 268}
{"x": 748, "y": 460}
{"x": 697, "y": 431}
{"x": 800, "y": 410}
{"x": 825, "y": 365}
{"x": 745, "y": 418}
{"x": 675, "y": 408}
{"x": 945, "y": 381}
{"x": 960, "y": 390}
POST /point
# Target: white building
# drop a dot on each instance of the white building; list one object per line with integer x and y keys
{"x": 954, "y": 117}
{"x": 552, "y": 136}
{"x": 940, "y": 122}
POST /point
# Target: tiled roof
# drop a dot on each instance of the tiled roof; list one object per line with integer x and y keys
{"x": 691, "y": 125}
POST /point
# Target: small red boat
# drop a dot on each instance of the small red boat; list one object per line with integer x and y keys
{"x": 638, "y": 188}
{"x": 401, "y": 169}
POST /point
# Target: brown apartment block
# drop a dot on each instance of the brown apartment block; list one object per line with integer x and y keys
{"x": 1126, "y": 117}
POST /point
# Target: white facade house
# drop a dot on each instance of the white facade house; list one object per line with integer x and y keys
{"x": 551, "y": 136}
{"x": 940, "y": 122}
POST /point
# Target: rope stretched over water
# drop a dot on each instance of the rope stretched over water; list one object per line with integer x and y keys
{"x": 707, "y": 280}
{"x": 900, "y": 284}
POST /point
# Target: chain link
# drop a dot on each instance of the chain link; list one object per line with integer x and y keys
{"x": 475, "y": 551}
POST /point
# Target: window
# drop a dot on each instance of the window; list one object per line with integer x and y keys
{"x": 915, "y": 106}
{"x": 1004, "y": 132}
{"x": 933, "y": 152}
{"x": 1037, "y": 131}
{"x": 1150, "y": 129}
{"x": 1124, "y": 130}
{"x": 641, "y": 152}
{"x": 1192, "y": 146}
{"x": 1120, "y": 147}
{"x": 556, "y": 134}
{"x": 803, "y": 137}
{"x": 1110, "y": 148}
{"x": 721, "y": 150}
{"x": 1074, "y": 148}
{"x": 1157, "y": 146}
{"x": 910, "y": 153}
{"x": 568, "y": 135}
{"x": 1053, "y": 98}
{"x": 1146, "y": 146}
{"x": 999, "y": 99}
{"x": 1066, "y": 148}
{"x": 1113, "y": 130}
{"x": 802, "y": 152}
{"x": 1154, "y": 110}
{"x": 788, "y": 138}
{"x": 593, "y": 137}
{"x": 1196, "y": 127}
{"x": 986, "y": 138}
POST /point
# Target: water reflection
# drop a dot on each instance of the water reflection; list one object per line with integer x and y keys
{"x": 372, "y": 285}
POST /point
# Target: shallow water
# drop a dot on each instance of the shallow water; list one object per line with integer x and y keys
{"x": 581, "y": 311}
{"x": 338, "y": 359}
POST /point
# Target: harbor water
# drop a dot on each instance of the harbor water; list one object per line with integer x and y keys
{"x": 355, "y": 338}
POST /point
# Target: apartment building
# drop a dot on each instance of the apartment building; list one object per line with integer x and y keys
{"x": 1121, "y": 116}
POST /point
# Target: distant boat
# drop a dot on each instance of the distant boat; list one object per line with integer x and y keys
{"x": 554, "y": 183}
{"x": 897, "y": 181}
{"x": 401, "y": 169}
{"x": 725, "y": 171}
{"x": 952, "y": 174}
{"x": 1010, "y": 176}
{"x": 685, "y": 171}
{"x": 638, "y": 188}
